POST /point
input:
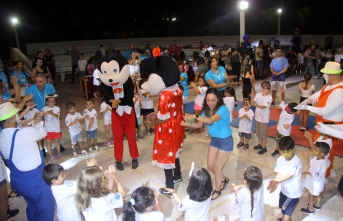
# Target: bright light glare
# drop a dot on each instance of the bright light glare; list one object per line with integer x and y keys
{"x": 173, "y": 19}
{"x": 243, "y": 5}
{"x": 279, "y": 10}
{"x": 14, "y": 21}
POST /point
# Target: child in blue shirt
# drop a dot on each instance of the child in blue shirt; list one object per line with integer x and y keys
{"x": 183, "y": 83}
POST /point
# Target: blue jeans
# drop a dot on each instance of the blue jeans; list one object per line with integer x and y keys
{"x": 224, "y": 144}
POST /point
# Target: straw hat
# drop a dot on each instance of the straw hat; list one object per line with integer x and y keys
{"x": 7, "y": 110}
{"x": 331, "y": 68}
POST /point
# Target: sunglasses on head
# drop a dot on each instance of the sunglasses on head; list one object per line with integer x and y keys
{"x": 245, "y": 104}
{"x": 266, "y": 87}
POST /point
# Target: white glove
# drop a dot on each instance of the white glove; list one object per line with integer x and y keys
{"x": 324, "y": 129}
{"x": 301, "y": 107}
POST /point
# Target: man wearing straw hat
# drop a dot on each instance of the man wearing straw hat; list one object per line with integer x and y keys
{"x": 329, "y": 109}
{"x": 22, "y": 156}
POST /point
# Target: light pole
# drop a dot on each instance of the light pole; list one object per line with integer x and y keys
{"x": 15, "y": 23}
{"x": 279, "y": 11}
{"x": 242, "y": 5}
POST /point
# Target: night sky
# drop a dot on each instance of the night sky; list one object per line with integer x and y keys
{"x": 77, "y": 20}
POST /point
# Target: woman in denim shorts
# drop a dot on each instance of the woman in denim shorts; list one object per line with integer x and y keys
{"x": 216, "y": 116}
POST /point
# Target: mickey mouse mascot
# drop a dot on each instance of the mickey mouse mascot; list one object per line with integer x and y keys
{"x": 114, "y": 72}
{"x": 169, "y": 134}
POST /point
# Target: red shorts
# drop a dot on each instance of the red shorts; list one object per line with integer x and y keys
{"x": 53, "y": 135}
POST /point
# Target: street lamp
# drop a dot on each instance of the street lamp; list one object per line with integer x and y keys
{"x": 242, "y": 5}
{"x": 279, "y": 11}
{"x": 15, "y": 23}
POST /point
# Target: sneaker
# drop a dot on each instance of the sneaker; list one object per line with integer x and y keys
{"x": 74, "y": 154}
{"x": 109, "y": 145}
{"x": 275, "y": 153}
{"x": 165, "y": 192}
{"x": 96, "y": 148}
{"x": 11, "y": 213}
{"x": 84, "y": 152}
{"x": 262, "y": 151}
{"x": 62, "y": 149}
{"x": 53, "y": 159}
{"x": 307, "y": 211}
{"x": 90, "y": 150}
{"x": 60, "y": 156}
{"x": 141, "y": 137}
{"x": 177, "y": 179}
{"x": 316, "y": 207}
{"x": 257, "y": 147}
{"x": 272, "y": 104}
{"x": 134, "y": 164}
{"x": 119, "y": 166}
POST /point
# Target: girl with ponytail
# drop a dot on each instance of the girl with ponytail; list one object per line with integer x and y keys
{"x": 249, "y": 196}
{"x": 143, "y": 206}
{"x": 306, "y": 90}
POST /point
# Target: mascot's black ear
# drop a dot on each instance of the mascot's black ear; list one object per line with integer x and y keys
{"x": 163, "y": 66}
{"x": 110, "y": 57}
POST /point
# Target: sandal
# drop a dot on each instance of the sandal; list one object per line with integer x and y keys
{"x": 200, "y": 130}
{"x": 240, "y": 144}
{"x": 246, "y": 146}
{"x": 225, "y": 181}
{"x": 216, "y": 192}
{"x": 13, "y": 194}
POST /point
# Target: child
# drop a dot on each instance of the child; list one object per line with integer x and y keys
{"x": 286, "y": 118}
{"x": 73, "y": 122}
{"x": 29, "y": 112}
{"x": 91, "y": 124}
{"x": 306, "y": 90}
{"x": 197, "y": 202}
{"x": 315, "y": 179}
{"x": 245, "y": 115}
{"x": 183, "y": 83}
{"x": 81, "y": 65}
{"x": 147, "y": 108}
{"x": 135, "y": 75}
{"x": 51, "y": 114}
{"x": 248, "y": 81}
{"x": 143, "y": 205}
{"x": 106, "y": 111}
{"x": 95, "y": 200}
{"x": 288, "y": 168}
{"x": 63, "y": 190}
{"x": 250, "y": 196}
{"x": 137, "y": 102}
{"x": 262, "y": 102}
{"x": 230, "y": 100}
{"x": 200, "y": 93}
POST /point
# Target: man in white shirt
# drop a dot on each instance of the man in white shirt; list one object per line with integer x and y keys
{"x": 25, "y": 161}
{"x": 329, "y": 108}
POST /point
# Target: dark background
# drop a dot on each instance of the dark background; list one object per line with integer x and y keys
{"x": 49, "y": 21}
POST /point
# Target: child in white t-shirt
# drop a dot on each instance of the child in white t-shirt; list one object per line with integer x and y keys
{"x": 197, "y": 202}
{"x": 250, "y": 195}
{"x": 106, "y": 111}
{"x": 315, "y": 179}
{"x": 245, "y": 115}
{"x": 262, "y": 102}
{"x": 91, "y": 125}
{"x": 63, "y": 191}
{"x": 200, "y": 93}
{"x": 143, "y": 206}
{"x": 29, "y": 112}
{"x": 51, "y": 114}
{"x": 286, "y": 118}
{"x": 288, "y": 168}
{"x": 147, "y": 108}
{"x": 96, "y": 200}
{"x": 326, "y": 139}
{"x": 73, "y": 122}
{"x": 230, "y": 100}
{"x": 81, "y": 65}
{"x": 137, "y": 102}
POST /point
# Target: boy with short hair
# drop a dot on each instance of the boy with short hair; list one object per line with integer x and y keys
{"x": 81, "y": 65}
{"x": 315, "y": 179}
{"x": 245, "y": 115}
{"x": 262, "y": 101}
{"x": 286, "y": 118}
{"x": 288, "y": 168}
{"x": 73, "y": 122}
{"x": 63, "y": 191}
{"x": 91, "y": 124}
